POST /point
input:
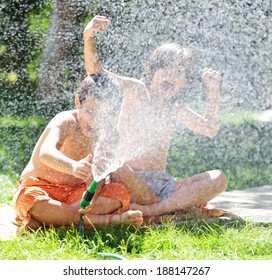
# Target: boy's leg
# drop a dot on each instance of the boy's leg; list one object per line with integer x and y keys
{"x": 194, "y": 191}
{"x": 139, "y": 191}
{"x": 52, "y": 212}
{"x": 130, "y": 217}
{"x": 101, "y": 205}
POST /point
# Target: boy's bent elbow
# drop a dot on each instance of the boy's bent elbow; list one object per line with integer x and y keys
{"x": 213, "y": 133}
{"x": 213, "y": 130}
{"x": 44, "y": 156}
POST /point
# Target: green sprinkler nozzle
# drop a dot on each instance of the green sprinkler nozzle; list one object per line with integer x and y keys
{"x": 86, "y": 201}
{"x": 88, "y": 195}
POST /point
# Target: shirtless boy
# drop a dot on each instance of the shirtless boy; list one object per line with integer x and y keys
{"x": 145, "y": 128}
{"x": 60, "y": 168}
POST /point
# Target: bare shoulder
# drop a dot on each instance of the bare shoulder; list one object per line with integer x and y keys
{"x": 131, "y": 87}
{"x": 65, "y": 119}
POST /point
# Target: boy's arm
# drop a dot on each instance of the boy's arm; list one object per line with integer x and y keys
{"x": 92, "y": 60}
{"x": 208, "y": 124}
{"x": 212, "y": 81}
{"x": 131, "y": 88}
{"x": 50, "y": 154}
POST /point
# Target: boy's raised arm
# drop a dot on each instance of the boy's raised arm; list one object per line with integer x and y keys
{"x": 92, "y": 60}
{"x": 208, "y": 124}
{"x": 212, "y": 81}
{"x": 131, "y": 88}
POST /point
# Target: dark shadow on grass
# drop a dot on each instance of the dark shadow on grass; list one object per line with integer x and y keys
{"x": 200, "y": 226}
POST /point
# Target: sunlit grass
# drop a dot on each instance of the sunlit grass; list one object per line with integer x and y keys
{"x": 7, "y": 187}
{"x": 241, "y": 150}
{"x": 246, "y": 241}
{"x": 18, "y": 137}
{"x": 242, "y": 177}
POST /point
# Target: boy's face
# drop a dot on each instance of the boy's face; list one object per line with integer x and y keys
{"x": 94, "y": 115}
{"x": 168, "y": 81}
{"x": 88, "y": 116}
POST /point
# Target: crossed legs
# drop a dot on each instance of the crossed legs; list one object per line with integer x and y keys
{"x": 52, "y": 212}
{"x": 194, "y": 191}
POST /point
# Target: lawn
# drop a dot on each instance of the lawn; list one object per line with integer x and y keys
{"x": 189, "y": 241}
{"x": 241, "y": 150}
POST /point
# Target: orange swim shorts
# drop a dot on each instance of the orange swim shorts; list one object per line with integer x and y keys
{"x": 117, "y": 191}
{"x": 31, "y": 191}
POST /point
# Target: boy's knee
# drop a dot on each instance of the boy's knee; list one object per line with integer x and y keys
{"x": 220, "y": 178}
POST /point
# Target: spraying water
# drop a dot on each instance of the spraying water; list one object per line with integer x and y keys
{"x": 105, "y": 160}
{"x": 231, "y": 36}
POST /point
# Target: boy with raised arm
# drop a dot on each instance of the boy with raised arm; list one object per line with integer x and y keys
{"x": 60, "y": 168}
{"x": 145, "y": 128}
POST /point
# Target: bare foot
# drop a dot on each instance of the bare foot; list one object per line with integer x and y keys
{"x": 129, "y": 217}
{"x": 143, "y": 208}
{"x": 33, "y": 224}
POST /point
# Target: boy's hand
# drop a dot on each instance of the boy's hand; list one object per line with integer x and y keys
{"x": 98, "y": 23}
{"x": 83, "y": 168}
{"x": 211, "y": 79}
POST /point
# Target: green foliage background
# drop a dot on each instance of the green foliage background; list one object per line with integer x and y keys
{"x": 22, "y": 38}
{"x": 24, "y": 32}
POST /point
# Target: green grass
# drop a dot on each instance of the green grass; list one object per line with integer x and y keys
{"x": 25, "y": 123}
{"x": 245, "y": 241}
{"x": 7, "y": 187}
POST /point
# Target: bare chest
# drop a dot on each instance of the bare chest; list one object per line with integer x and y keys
{"x": 76, "y": 147}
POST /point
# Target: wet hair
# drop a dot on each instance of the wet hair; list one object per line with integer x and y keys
{"x": 163, "y": 56}
{"x": 101, "y": 86}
